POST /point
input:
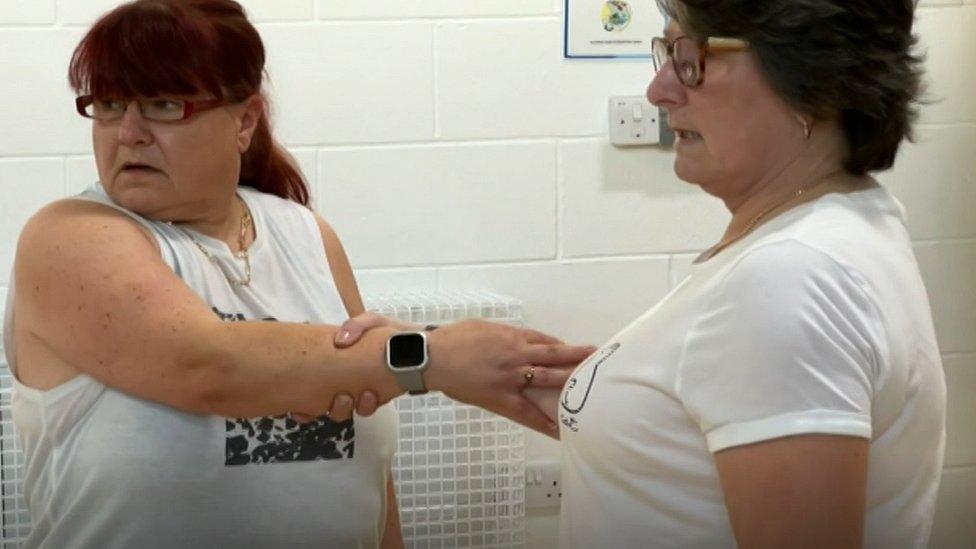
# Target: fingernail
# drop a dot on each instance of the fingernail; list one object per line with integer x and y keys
{"x": 344, "y": 401}
{"x": 343, "y": 336}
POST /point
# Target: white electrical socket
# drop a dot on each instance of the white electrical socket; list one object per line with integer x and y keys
{"x": 543, "y": 484}
{"x": 634, "y": 121}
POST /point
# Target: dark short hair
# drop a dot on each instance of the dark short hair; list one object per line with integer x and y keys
{"x": 850, "y": 57}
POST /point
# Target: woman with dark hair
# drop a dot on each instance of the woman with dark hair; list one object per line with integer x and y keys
{"x": 168, "y": 321}
{"x": 789, "y": 392}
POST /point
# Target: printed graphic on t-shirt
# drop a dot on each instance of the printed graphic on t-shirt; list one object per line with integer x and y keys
{"x": 578, "y": 387}
{"x": 282, "y": 439}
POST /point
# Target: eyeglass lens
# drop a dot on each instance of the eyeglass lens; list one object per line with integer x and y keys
{"x": 685, "y": 52}
{"x": 152, "y": 109}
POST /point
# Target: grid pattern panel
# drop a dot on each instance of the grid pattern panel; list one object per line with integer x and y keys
{"x": 459, "y": 470}
{"x": 14, "y": 518}
{"x": 443, "y": 307}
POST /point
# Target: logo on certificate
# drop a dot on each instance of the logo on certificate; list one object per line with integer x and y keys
{"x": 616, "y": 15}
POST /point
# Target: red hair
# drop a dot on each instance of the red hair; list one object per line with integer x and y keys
{"x": 185, "y": 47}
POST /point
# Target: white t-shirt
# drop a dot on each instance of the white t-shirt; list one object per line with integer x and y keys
{"x": 818, "y": 322}
{"x": 107, "y": 470}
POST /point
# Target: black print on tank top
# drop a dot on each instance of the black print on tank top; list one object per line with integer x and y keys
{"x": 578, "y": 387}
{"x": 282, "y": 439}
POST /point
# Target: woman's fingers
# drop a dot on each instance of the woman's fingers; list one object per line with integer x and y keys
{"x": 353, "y": 328}
{"x": 341, "y": 409}
{"x": 549, "y": 378}
{"x": 522, "y": 410}
{"x": 556, "y": 354}
{"x": 535, "y": 336}
{"x": 546, "y": 400}
{"x": 367, "y": 404}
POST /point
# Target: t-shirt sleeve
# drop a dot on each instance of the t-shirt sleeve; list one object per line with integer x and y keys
{"x": 788, "y": 344}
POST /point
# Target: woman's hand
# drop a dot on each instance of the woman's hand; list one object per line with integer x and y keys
{"x": 546, "y": 400}
{"x": 481, "y": 363}
{"x": 348, "y": 334}
{"x": 343, "y": 406}
{"x": 489, "y": 365}
{"x": 353, "y": 328}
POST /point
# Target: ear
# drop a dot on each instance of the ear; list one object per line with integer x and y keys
{"x": 248, "y": 121}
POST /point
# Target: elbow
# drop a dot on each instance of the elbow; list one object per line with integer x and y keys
{"x": 206, "y": 385}
{"x": 210, "y": 391}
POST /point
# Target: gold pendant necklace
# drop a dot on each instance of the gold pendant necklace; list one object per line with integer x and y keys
{"x": 242, "y": 254}
{"x": 726, "y": 242}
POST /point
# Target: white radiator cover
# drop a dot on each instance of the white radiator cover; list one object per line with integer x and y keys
{"x": 459, "y": 470}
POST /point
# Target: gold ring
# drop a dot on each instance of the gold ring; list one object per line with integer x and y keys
{"x": 529, "y": 376}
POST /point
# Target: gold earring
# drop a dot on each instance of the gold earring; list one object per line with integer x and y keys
{"x": 806, "y": 125}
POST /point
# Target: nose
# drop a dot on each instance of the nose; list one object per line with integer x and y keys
{"x": 134, "y": 128}
{"x": 665, "y": 90}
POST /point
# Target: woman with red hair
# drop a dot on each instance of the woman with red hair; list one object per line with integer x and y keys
{"x": 169, "y": 321}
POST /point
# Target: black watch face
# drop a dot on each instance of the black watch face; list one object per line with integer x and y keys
{"x": 406, "y": 350}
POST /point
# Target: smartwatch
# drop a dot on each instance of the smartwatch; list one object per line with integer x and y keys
{"x": 406, "y": 357}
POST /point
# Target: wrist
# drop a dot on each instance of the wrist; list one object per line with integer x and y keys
{"x": 380, "y": 379}
{"x": 436, "y": 349}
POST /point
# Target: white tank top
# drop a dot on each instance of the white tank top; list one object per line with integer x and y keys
{"x": 108, "y": 470}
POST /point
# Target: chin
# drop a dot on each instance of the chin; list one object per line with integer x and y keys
{"x": 141, "y": 200}
{"x": 700, "y": 175}
{"x": 688, "y": 173}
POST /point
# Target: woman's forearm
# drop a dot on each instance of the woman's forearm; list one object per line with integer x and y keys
{"x": 267, "y": 368}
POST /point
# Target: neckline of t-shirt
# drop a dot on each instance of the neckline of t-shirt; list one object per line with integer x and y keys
{"x": 876, "y": 196}
{"x": 215, "y": 245}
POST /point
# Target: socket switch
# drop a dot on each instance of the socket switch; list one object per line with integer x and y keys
{"x": 543, "y": 484}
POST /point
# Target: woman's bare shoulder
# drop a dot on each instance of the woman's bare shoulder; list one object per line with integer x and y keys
{"x": 83, "y": 222}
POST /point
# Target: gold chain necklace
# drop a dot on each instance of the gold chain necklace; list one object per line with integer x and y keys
{"x": 725, "y": 243}
{"x": 241, "y": 254}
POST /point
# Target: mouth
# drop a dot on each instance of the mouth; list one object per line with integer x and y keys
{"x": 138, "y": 167}
{"x": 687, "y": 135}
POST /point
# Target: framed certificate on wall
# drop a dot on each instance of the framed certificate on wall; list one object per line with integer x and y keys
{"x": 610, "y": 28}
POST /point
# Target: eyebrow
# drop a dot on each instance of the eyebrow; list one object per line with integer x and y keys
{"x": 668, "y": 31}
{"x": 674, "y": 36}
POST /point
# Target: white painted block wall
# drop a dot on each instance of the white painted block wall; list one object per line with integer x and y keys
{"x": 452, "y": 147}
